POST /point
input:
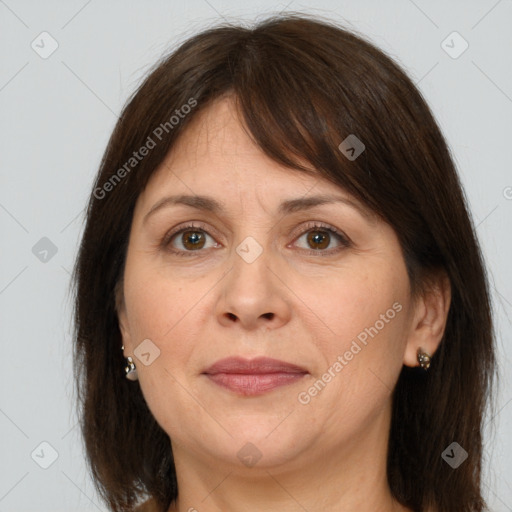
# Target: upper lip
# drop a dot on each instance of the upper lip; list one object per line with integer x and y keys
{"x": 258, "y": 365}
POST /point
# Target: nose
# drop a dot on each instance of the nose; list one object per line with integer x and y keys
{"x": 254, "y": 295}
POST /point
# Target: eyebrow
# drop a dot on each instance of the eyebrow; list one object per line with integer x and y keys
{"x": 210, "y": 204}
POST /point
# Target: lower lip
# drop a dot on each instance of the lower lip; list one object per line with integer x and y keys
{"x": 254, "y": 384}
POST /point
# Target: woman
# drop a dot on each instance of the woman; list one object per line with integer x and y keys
{"x": 279, "y": 254}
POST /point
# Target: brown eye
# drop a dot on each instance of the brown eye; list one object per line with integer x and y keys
{"x": 318, "y": 239}
{"x": 188, "y": 240}
{"x": 192, "y": 239}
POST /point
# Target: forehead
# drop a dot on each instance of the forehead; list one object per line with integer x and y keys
{"x": 216, "y": 130}
{"x": 215, "y": 156}
{"x": 216, "y": 152}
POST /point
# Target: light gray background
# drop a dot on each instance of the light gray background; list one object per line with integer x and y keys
{"x": 56, "y": 117}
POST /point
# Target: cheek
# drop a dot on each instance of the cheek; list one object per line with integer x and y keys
{"x": 360, "y": 366}
{"x": 355, "y": 301}
{"x": 159, "y": 309}
{"x": 156, "y": 305}
{"x": 364, "y": 317}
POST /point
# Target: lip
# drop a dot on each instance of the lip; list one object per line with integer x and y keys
{"x": 249, "y": 377}
{"x": 258, "y": 365}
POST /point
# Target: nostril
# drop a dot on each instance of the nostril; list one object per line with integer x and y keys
{"x": 268, "y": 315}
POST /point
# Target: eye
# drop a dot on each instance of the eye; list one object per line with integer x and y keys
{"x": 192, "y": 238}
{"x": 319, "y": 237}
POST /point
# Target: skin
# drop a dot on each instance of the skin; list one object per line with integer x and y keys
{"x": 295, "y": 302}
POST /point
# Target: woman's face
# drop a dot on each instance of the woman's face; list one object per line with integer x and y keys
{"x": 262, "y": 275}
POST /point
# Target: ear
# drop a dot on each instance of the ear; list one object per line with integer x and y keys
{"x": 121, "y": 315}
{"x": 429, "y": 318}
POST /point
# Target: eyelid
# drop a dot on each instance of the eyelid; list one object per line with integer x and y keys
{"x": 309, "y": 226}
{"x": 190, "y": 225}
{"x": 300, "y": 231}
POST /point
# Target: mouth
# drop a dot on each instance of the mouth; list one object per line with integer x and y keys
{"x": 250, "y": 377}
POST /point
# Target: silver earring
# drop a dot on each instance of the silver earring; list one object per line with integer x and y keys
{"x": 424, "y": 359}
{"x": 130, "y": 368}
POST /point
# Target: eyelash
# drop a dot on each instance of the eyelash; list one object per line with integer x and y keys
{"x": 343, "y": 239}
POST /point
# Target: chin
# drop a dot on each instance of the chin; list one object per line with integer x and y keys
{"x": 257, "y": 442}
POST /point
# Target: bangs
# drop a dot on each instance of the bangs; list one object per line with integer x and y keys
{"x": 300, "y": 121}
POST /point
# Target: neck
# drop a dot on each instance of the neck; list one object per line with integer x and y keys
{"x": 350, "y": 477}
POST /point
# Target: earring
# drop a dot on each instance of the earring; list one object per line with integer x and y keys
{"x": 424, "y": 359}
{"x": 130, "y": 369}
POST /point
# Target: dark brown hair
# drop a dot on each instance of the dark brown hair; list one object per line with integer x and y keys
{"x": 302, "y": 86}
